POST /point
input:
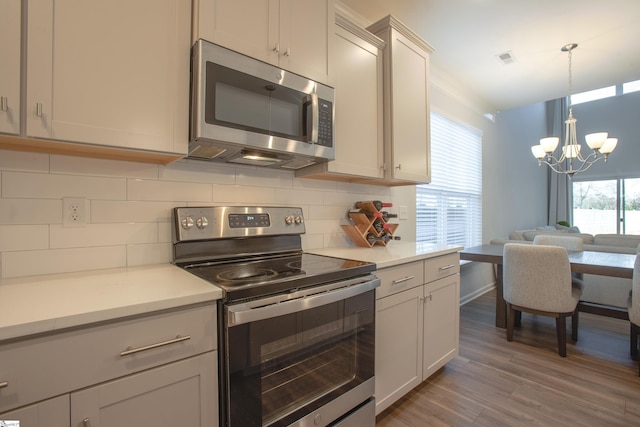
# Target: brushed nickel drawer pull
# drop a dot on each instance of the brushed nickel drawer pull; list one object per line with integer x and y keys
{"x": 4, "y": 103}
{"x": 177, "y": 339}
{"x": 4, "y": 384}
{"x": 38, "y": 109}
{"x": 447, "y": 267}
{"x": 395, "y": 282}
{"x": 86, "y": 422}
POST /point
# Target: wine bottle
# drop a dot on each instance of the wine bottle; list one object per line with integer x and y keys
{"x": 372, "y": 238}
{"x": 376, "y": 204}
{"x": 386, "y": 216}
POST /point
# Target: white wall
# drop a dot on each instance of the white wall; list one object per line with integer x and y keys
{"x": 130, "y": 208}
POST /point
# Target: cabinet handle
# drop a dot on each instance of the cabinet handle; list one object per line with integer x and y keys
{"x": 4, "y": 384}
{"x": 395, "y": 282}
{"x": 86, "y": 422}
{"x": 287, "y": 52}
{"x": 4, "y": 103}
{"x": 447, "y": 267}
{"x": 177, "y": 339}
{"x": 38, "y": 109}
{"x": 276, "y": 48}
{"x": 399, "y": 167}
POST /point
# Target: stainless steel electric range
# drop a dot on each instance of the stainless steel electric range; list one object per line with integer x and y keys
{"x": 296, "y": 330}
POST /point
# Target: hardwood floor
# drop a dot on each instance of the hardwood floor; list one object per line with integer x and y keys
{"x": 496, "y": 383}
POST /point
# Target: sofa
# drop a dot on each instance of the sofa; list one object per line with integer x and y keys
{"x": 600, "y": 290}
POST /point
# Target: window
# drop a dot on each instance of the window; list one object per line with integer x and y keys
{"x": 592, "y": 95}
{"x": 449, "y": 210}
{"x": 607, "y": 206}
{"x": 631, "y": 87}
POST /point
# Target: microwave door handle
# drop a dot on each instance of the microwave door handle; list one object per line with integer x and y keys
{"x": 311, "y": 102}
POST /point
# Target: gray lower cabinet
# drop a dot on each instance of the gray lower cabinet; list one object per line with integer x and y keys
{"x": 52, "y": 412}
{"x": 179, "y": 394}
{"x": 417, "y": 324}
{"x": 149, "y": 370}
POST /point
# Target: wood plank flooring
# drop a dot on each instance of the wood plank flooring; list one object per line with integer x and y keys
{"x": 525, "y": 382}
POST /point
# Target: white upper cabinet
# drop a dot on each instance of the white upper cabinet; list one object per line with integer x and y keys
{"x": 356, "y": 68}
{"x": 293, "y": 35}
{"x": 111, "y": 73}
{"x": 10, "y": 27}
{"x": 406, "y": 92}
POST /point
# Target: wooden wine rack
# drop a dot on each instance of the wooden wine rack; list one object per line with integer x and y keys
{"x": 363, "y": 225}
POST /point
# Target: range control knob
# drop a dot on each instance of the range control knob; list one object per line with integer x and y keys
{"x": 202, "y": 222}
{"x": 187, "y": 223}
{"x": 298, "y": 219}
{"x": 289, "y": 219}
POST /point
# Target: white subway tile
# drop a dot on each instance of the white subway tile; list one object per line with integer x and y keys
{"x": 298, "y": 197}
{"x": 102, "y": 167}
{"x": 271, "y": 178}
{"x": 23, "y": 237}
{"x": 156, "y": 253}
{"x": 235, "y": 194}
{"x": 138, "y": 189}
{"x": 312, "y": 241}
{"x": 103, "y": 235}
{"x": 322, "y": 226}
{"x": 314, "y": 184}
{"x": 30, "y": 211}
{"x": 130, "y": 211}
{"x": 30, "y": 263}
{"x": 24, "y": 161}
{"x": 52, "y": 186}
{"x": 165, "y": 232}
{"x": 195, "y": 171}
{"x": 328, "y": 212}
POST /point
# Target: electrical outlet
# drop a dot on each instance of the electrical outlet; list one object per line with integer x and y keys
{"x": 403, "y": 212}
{"x": 74, "y": 211}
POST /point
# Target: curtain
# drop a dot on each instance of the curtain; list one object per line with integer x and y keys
{"x": 558, "y": 185}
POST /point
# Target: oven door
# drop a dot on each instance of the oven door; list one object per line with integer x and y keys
{"x": 305, "y": 358}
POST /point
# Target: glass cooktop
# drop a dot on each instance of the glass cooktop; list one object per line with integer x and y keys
{"x": 265, "y": 276}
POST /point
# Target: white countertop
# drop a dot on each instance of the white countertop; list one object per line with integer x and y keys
{"x": 395, "y": 253}
{"x": 36, "y": 304}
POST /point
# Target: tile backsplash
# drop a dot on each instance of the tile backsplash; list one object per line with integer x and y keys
{"x": 129, "y": 208}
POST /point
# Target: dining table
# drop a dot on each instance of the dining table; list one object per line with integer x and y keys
{"x": 587, "y": 262}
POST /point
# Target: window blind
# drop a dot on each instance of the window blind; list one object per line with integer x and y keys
{"x": 449, "y": 209}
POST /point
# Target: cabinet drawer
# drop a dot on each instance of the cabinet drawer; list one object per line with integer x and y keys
{"x": 46, "y": 366}
{"x": 442, "y": 266}
{"x": 399, "y": 278}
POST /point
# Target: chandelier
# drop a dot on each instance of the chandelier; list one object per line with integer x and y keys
{"x": 571, "y": 161}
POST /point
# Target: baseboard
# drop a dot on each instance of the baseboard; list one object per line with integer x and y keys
{"x": 477, "y": 293}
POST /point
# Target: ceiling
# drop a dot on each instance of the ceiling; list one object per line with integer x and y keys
{"x": 468, "y": 36}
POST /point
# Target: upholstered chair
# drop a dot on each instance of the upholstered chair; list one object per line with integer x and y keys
{"x": 634, "y": 310}
{"x": 570, "y": 243}
{"x": 537, "y": 279}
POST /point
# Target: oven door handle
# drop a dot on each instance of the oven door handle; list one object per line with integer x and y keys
{"x": 244, "y": 313}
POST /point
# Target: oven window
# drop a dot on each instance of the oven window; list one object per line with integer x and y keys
{"x": 282, "y": 368}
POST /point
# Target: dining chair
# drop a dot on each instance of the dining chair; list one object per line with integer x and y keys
{"x": 537, "y": 280}
{"x": 570, "y": 243}
{"x": 634, "y": 309}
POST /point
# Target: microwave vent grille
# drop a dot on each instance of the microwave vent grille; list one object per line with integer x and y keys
{"x": 206, "y": 152}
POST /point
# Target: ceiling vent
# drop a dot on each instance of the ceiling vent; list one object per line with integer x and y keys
{"x": 506, "y": 57}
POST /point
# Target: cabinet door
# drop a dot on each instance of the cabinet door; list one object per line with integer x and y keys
{"x": 357, "y": 74}
{"x": 409, "y": 149}
{"x": 398, "y": 346}
{"x": 246, "y": 26}
{"x": 49, "y": 413}
{"x": 306, "y": 37}
{"x": 182, "y": 393}
{"x": 441, "y": 323}
{"x": 111, "y": 73}
{"x": 10, "y": 66}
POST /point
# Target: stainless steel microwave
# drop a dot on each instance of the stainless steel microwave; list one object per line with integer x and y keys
{"x": 245, "y": 111}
